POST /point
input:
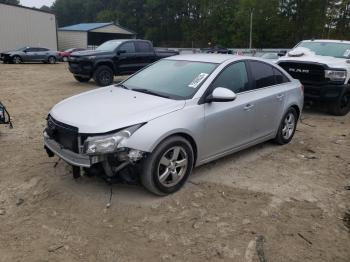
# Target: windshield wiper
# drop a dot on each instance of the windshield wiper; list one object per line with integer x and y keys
{"x": 122, "y": 86}
{"x": 150, "y": 92}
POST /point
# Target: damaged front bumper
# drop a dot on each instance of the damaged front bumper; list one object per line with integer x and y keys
{"x": 82, "y": 160}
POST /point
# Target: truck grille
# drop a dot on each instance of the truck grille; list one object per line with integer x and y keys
{"x": 65, "y": 135}
{"x": 305, "y": 72}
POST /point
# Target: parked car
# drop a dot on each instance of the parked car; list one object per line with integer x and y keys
{"x": 4, "y": 116}
{"x": 64, "y": 55}
{"x": 272, "y": 56}
{"x": 218, "y": 105}
{"x": 115, "y": 57}
{"x": 216, "y": 50}
{"x": 323, "y": 66}
{"x": 30, "y": 54}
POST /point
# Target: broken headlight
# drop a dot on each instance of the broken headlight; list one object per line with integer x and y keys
{"x": 107, "y": 144}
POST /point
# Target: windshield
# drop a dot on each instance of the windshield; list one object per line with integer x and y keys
{"x": 171, "y": 78}
{"x": 340, "y": 50}
{"x": 109, "y": 46}
{"x": 270, "y": 56}
{"x": 21, "y": 49}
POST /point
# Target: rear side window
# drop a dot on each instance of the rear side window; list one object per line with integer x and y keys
{"x": 280, "y": 78}
{"x": 233, "y": 77}
{"x": 128, "y": 47}
{"x": 42, "y": 49}
{"x": 262, "y": 74}
{"x": 32, "y": 49}
{"x": 143, "y": 47}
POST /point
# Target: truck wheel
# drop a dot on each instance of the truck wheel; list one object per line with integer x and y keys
{"x": 17, "y": 59}
{"x": 82, "y": 79}
{"x": 51, "y": 60}
{"x": 103, "y": 76}
{"x": 342, "y": 106}
{"x": 166, "y": 170}
{"x": 287, "y": 127}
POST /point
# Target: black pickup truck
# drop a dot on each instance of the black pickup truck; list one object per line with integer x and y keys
{"x": 114, "y": 57}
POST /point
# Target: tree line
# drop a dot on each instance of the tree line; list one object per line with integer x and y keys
{"x": 195, "y": 23}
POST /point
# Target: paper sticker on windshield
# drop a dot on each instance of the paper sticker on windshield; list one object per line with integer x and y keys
{"x": 347, "y": 53}
{"x": 198, "y": 80}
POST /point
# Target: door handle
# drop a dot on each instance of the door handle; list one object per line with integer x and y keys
{"x": 280, "y": 97}
{"x": 248, "y": 107}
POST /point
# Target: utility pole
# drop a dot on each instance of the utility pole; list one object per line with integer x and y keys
{"x": 251, "y": 28}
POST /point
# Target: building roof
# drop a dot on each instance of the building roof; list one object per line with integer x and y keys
{"x": 99, "y": 28}
{"x": 30, "y": 8}
{"x": 84, "y": 26}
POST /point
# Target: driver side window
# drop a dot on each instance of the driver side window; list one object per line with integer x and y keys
{"x": 128, "y": 47}
{"x": 233, "y": 77}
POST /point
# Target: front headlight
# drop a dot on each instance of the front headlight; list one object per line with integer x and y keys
{"x": 108, "y": 143}
{"x": 336, "y": 75}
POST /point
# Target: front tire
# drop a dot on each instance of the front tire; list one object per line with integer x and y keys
{"x": 342, "y": 106}
{"x": 17, "y": 59}
{"x": 82, "y": 79}
{"x": 51, "y": 60}
{"x": 103, "y": 76}
{"x": 166, "y": 170}
{"x": 287, "y": 127}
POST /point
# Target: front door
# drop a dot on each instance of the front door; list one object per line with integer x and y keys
{"x": 127, "y": 62}
{"x": 228, "y": 124}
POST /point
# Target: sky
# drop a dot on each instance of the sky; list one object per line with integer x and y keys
{"x": 36, "y": 3}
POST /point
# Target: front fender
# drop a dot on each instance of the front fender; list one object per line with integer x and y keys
{"x": 105, "y": 62}
{"x": 188, "y": 121}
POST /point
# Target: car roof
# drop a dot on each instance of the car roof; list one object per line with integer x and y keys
{"x": 215, "y": 58}
{"x": 207, "y": 58}
{"x": 327, "y": 41}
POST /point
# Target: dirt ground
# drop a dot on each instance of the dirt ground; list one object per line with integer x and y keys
{"x": 268, "y": 203}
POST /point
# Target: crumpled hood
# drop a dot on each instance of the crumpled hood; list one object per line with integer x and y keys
{"x": 110, "y": 108}
{"x": 305, "y": 55}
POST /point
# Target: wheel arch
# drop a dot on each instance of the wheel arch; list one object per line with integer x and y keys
{"x": 105, "y": 63}
{"x": 296, "y": 107}
{"x": 186, "y": 136}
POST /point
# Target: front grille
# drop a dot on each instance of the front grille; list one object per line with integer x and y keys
{"x": 305, "y": 72}
{"x": 63, "y": 134}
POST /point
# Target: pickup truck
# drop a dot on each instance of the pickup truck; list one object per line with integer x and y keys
{"x": 323, "y": 67}
{"x": 114, "y": 57}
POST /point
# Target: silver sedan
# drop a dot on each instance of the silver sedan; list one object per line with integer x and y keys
{"x": 174, "y": 115}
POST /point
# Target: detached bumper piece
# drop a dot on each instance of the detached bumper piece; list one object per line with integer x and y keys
{"x": 79, "y": 160}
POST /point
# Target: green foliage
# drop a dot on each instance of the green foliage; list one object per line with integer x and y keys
{"x": 187, "y": 23}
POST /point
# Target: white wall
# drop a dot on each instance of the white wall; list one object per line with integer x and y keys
{"x": 72, "y": 39}
{"x": 21, "y": 27}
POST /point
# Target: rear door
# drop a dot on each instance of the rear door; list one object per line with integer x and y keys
{"x": 127, "y": 62}
{"x": 42, "y": 53}
{"x": 145, "y": 53}
{"x": 268, "y": 93}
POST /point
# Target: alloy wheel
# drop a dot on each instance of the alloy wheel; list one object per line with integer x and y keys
{"x": 288, "y": 126}
{"x": 172, "y": 166}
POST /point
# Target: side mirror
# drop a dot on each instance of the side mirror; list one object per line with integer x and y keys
{"x": 121, "y": 52}
{"x": 221, "y": 94}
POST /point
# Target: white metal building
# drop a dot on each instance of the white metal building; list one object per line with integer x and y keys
{"x": 23, "y": 26}
{"x": 91, "y": 34}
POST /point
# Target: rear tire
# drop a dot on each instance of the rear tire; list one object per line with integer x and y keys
{"x": 342, "y": 106}
{"x": 103, "y": 76}
{"x": 82, "y": 79}
{"x": 166, "y": 170}
{"x": 287, "y": 127}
